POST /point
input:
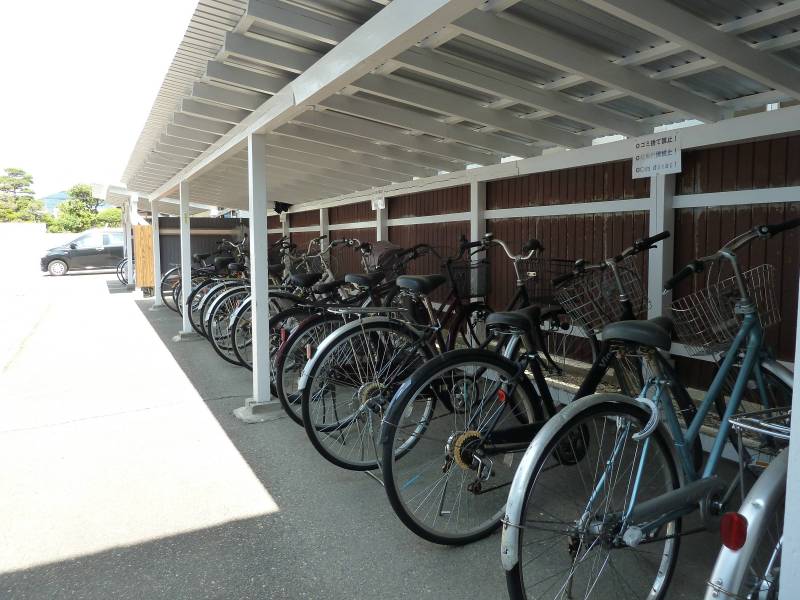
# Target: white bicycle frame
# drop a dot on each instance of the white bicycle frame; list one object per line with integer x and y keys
{"x": 758, "y": 508}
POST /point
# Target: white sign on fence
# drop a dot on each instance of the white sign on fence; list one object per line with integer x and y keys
{"x": 656, "y": 153}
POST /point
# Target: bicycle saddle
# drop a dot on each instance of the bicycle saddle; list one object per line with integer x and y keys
{"x": 524, "y": 319}
{"x": 327, "y": 287}
{"x": 420, "y": 284}
{"x": 276, "y": 269}
{"x": 655, "y": 332}
{"x": 305, "y": 280}
{"x": 221, "y": 264}
{"x": 364, "y": 279}
{"x": 200, "y": 257}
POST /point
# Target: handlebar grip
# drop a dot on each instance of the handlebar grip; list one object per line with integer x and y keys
{"x": 693, "y": 267}
{"x": 465, "y": 245}
{"x": 648, "y": 242}
{"x": 533, "y": 244}
{"x": 770, "y": 230}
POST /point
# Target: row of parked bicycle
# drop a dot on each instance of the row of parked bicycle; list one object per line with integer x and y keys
{"x": 461, "y": 411}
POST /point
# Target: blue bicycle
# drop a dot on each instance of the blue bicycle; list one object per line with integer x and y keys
{"x": 607, "y": 522}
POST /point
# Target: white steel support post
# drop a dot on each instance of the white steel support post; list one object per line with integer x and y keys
{"x": 157, "y": 302}
{"x": 133, "y": 212}
{"x": 662, "y": 218}
{"x": 477, "y": 208}
{"x": 323, "y": 226}
{"x": 790, "y": 577}
{"x": 254, "y": 408}
{"x": 186, "y": 259}
{"x": 382, "y": 220}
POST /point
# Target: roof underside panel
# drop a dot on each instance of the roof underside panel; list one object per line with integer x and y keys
{"x": 511, "y": 80}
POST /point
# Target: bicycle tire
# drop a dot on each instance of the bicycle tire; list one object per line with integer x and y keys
{"x": 168, "y": 281}
{"x": 373, "y": 358}
{"x": 288, "y": 361}
{"x": 410, "y": 482}
{"x": 219, "y": 322}
{"x": 568, "y": 431}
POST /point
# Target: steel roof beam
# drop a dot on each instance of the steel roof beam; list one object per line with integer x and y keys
{"x": 373, "y": 160}
{"x": 355, "y": 143}
{"x": 268, "y": 52}
{"x": 464, "y": 72}
{"x": 176, "y": 150}
{"x": 189, "y": 134}
{"x": 334, "y": 163}
{"x": 408, "y": 119}
{"x": 385, "y": 133}
{"x": 201, "y": 124}
{"x": 547, "y": 46}
{"x": 213, "y": 112}
{"x": 675, "y": 23}
{"x": 449, "y": 103}
{"x": 300, "y": 21}
{"x": 183, "y": 142}
{"x": 260, "y": 82}
{"x": 231, "y": 98}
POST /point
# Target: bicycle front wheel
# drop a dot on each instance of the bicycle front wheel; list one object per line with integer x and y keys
{"x": 450, "y": 444}
{"x": 575, "y": 540}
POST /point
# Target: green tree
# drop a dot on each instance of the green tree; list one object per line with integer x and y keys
{"x": 74, "y": 215}
{"x": 79, "y": 211}
{"x": 82, "y": 193}
{"x": 110, "y": 217}
{"x": 16, "y": 197}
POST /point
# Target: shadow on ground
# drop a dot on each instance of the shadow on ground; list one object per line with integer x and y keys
{"x": 333, "y": 537}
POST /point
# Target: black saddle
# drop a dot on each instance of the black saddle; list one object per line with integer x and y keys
{"x": 200, "y": 257}
{"x": 525, "y": 320}
{"x": 655, "y": 332}
{"x": 366, "y": 280}
{"x": 221, "y": 264}
{"x": 328, "y": 286}
{"x": 420, "y": 284}
{"x": 276, "y": 269}
{"x": 305, "y": 280}
{"x": 235, "y": 267}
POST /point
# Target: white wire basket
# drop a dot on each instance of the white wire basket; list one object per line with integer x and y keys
{"x": 592, "y": 299}
{"x": 706, "y": 321}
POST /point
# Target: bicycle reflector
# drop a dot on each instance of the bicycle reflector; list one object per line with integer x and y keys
{"x": 733, "y": 530}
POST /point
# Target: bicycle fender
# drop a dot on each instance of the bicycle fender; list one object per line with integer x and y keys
{"x": 757, "y": 508}
{"x": 512, "y": 521}
{"x": 332, "y": 339}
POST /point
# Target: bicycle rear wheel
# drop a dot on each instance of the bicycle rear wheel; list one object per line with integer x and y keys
{"x": 219, "y": 321}
{"x": 349, "y": 383}
{"x": 298, "y": 335}
{"x": 168, "y": 281}
{"x": 572, "y": 542}
{"x": 450, "y": 444}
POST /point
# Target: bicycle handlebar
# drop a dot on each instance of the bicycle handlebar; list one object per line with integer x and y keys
{"x": 698, "y": 264}
{"x": 640, "y": 245}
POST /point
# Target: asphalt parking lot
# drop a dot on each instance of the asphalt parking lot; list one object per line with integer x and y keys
{"x": 125, "y": 475}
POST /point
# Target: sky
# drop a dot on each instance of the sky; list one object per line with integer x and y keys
{"x": 77, "y": 80}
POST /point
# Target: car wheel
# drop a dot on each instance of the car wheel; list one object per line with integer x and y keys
{"x": 57, "y": 268}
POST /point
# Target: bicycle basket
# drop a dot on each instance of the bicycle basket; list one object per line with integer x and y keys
{"x": 591, "y": 299}
{"x": 303, "y": 264}
{"x": 469, "y": 279}
{"x": 539, "y": 273}
{"x": 706, "y": 321}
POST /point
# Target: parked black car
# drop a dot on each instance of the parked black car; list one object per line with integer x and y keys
{"x": 94, "y": 249}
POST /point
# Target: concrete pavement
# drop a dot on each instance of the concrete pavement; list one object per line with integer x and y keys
{"x": 125, "y": 475}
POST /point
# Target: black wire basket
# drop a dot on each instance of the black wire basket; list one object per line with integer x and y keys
{"x": 470, "y": 279}
{"x": 538, "y": 273}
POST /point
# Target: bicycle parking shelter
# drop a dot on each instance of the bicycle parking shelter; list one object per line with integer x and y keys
{"x": 417, "y": 121}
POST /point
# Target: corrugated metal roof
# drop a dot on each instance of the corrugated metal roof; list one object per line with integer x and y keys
{"x": 481, "y": 89}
